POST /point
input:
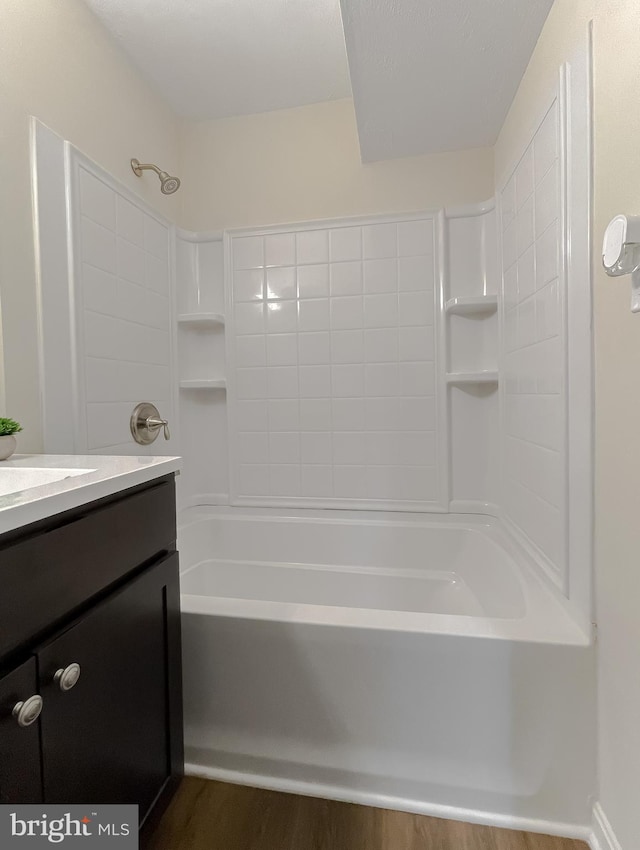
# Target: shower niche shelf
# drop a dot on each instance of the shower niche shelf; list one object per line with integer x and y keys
{"x": 484, "y": 376}
{"x": 201, "y": 320}
{"x": 472, "y": 305}
{"x": 204, "y": 384}
{"x": 471, "y": 336}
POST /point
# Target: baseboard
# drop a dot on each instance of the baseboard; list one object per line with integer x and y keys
{"x": 602, "y": 835}
{"x": 384, "y": 801}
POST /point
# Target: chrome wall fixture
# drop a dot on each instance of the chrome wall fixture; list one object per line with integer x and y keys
{"x": 168, "y": 184}
{"x": 146, "y": 422}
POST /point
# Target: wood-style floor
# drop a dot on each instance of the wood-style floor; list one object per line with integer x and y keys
{"x": 216, "y": 816}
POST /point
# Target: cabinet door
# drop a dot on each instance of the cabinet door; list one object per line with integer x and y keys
{"x": 108, "y": 739}
{"x": 20, "y": 773}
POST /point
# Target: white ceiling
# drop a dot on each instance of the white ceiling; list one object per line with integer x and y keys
{"x": 215, "y": 58}
{"x": 436, "y": 75}
{"x": 427, "y": 75}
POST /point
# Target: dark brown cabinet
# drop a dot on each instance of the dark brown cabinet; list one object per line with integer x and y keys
{"x": 109, "y": 674}
{"x": 20, "y": 778}
{"x": 105, "y": 739}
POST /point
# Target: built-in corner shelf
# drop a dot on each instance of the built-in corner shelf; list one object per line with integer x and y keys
{"x": 204, "y": 384}
{"x": 487, "y": 376}
{"x": 470, "y": 305}
{"x": 202, "y": 320}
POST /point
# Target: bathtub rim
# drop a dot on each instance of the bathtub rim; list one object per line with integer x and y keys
{"x": 547, "y": 618}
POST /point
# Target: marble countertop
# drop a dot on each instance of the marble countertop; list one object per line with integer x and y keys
{"x": 106, "y": 475}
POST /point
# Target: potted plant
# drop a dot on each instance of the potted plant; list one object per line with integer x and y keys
{"x": 8, "y": 427}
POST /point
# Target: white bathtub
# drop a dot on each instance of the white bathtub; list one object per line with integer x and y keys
{"x": 409, "y": 661}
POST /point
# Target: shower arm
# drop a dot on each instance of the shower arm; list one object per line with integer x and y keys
{"x": 138, "y": 167}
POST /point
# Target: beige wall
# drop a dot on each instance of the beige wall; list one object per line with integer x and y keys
{"x": 302, "y": 164}
{"x": 57, "y": 63}
{"x": 617, "y": 146}
{"x": 617, "y": 355}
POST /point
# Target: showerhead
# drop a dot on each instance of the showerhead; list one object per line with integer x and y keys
{"x": 168, "y": 184}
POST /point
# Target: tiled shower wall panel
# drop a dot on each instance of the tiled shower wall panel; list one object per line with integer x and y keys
{"x": 123, "y": 315}
{"x": 332, "y": 365}
{"x": 534, "y": 355}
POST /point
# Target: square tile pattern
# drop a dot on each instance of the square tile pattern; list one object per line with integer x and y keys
{"x": 333, "y": 389}
{"x": 123, "y": 257}
{"x": 534, "y": 345}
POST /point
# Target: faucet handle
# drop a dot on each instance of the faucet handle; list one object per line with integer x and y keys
{"x": 146, "y": 423}
{"x": 153, "y": 424}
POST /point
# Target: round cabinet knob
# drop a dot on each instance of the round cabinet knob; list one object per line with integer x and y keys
{"x": 27, "y": 712}
{"x": 67, "y": 677}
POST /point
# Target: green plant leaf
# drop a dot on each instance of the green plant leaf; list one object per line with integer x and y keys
{"x": 8, "y": 427}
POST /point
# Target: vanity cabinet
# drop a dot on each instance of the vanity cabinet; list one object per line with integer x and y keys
{"x": 19, "y": 745}
{"x": 106, "y": 663}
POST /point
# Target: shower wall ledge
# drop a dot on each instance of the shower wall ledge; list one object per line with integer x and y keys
{"x": 472, "y": 305}
{"x": 201, "y": 319}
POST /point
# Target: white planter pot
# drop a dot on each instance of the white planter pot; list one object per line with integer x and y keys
{"x": 7, "y": 446}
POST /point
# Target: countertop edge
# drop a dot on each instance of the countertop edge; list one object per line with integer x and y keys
{"x": 51, "y": 504}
